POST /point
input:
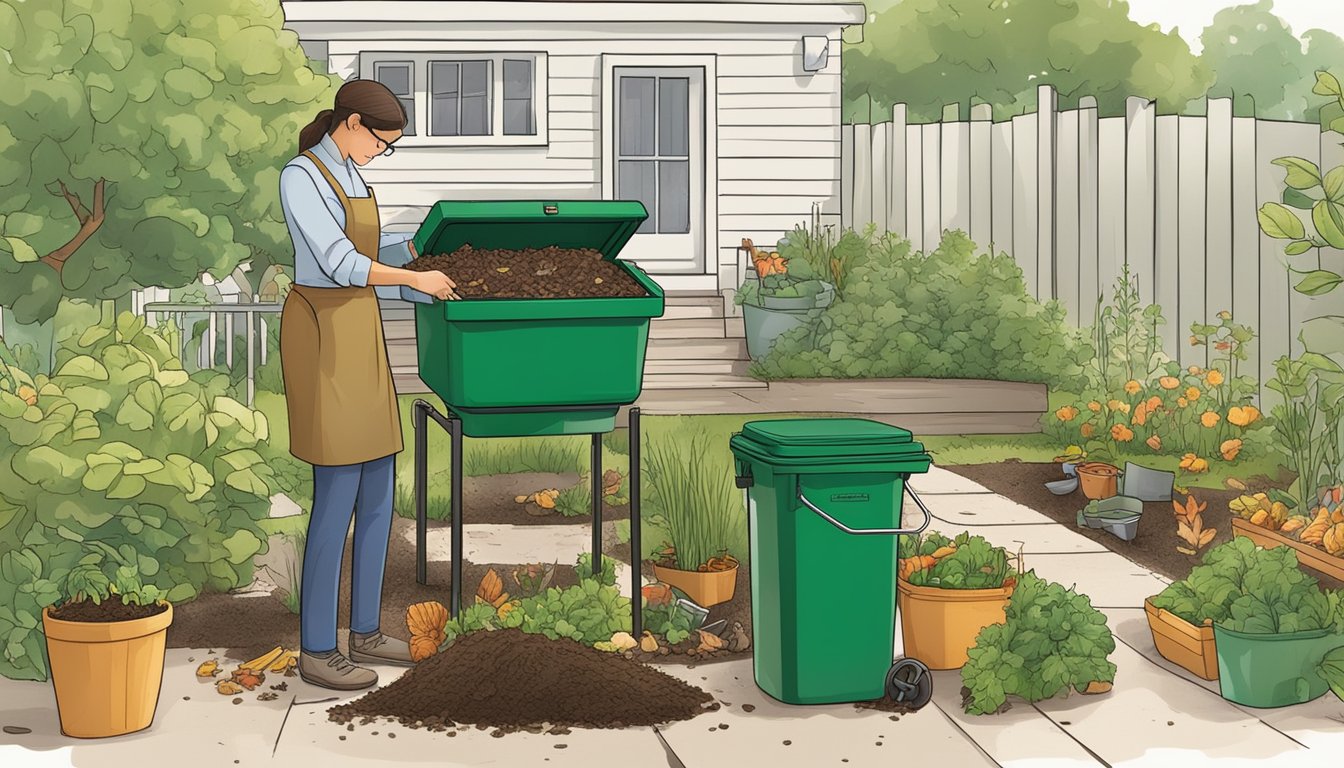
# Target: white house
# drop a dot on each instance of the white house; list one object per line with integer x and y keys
{"x": 723, "y": 118}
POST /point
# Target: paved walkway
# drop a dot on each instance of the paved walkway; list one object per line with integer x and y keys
{"x": 1157, "y": 715}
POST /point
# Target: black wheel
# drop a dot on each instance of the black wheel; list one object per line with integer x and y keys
{"x": 909, "y": 682}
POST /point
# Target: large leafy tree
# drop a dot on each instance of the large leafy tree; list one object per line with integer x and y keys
{"x": 142, "y": 143}
{"x": 928, "y": 53}
{"x": 1252, "y": 52}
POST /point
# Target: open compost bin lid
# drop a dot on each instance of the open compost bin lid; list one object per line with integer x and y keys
{"x": 604, "y": 225}
{"x": 825, "y": 438}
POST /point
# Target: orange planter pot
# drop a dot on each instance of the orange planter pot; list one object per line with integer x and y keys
{"x": 1313, "y": 557}
{"x": 107, "y": 675}
{"x": 1181, "y": 642}
{"x": 706, "y": 588}
{"x": 940, "y": 625}
{"x": 1099, "y": 480}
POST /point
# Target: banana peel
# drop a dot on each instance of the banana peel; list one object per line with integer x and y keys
{"x": 263, "y": 662}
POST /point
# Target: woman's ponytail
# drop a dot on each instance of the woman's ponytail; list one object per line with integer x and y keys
{"x": 313, "y": 132}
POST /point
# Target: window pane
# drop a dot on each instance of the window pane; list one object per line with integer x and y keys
{"x": 637, "y": 181}
{"x": 518, "y": 117}
{"x": 397, "y": 77}
{"x": 674, "y": 117}
{"x": 408, "y": 104}
{"x": 636, "y": 116}
{"x": 476, "y": 98}
{"x": 517, "y": 78}
{"x": 674, "y": 197}
{"x": 444, "y": 101}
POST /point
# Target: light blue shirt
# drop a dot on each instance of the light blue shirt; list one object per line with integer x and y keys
{"x": 323, "y": 256}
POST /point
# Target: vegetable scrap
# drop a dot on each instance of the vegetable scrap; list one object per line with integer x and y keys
{"x": 426, "y": 622}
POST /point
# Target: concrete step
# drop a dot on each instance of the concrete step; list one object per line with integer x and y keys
{"x": 696, "y": 349}
{"x": 659, "y": 381}
{"x": 697, "y": 328}
{"x": 696, "y": 367}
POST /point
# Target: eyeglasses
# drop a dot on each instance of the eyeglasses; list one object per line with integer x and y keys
{"x": 387, "y": 145}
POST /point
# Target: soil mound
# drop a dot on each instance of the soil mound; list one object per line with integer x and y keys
{"x": 511, "y": 680}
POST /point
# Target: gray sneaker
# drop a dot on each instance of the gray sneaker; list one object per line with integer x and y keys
{"x": 378, "y": 648}
{"x": 335, "y": 672}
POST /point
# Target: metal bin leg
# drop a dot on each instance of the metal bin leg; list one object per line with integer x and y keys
{"x": 636, "y": 593}
{"x": 455, "y": 433}
{"x": 595, "y": 478}
{"x": 419, "y": 422}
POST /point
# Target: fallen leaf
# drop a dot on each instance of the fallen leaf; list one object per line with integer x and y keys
{"x": 248, "y": 678}
{"x": 522, "y": 499}
{"x": 501, "y": 270}
{"x": 1096, "y": 687}
{"x": 1235, "y": 484}
{"x": 1185, "y": 551}
{"x": 709, "y": 641}
{"x": 546, "y": 500}
{"x": 228, "y": 688}
{"x": 208, "y": 669}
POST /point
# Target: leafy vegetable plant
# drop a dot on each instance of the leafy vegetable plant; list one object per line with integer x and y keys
{"x": 1053, "y": 640}
{"x": 972, "y": 563}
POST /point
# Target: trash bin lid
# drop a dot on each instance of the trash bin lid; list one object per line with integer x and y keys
{"x": 605, "y": 225}
{"x": 825, "y": 438}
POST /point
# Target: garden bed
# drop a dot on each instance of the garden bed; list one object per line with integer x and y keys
{"x": 1155, "y": 545}
{"x": 491, "y": 499}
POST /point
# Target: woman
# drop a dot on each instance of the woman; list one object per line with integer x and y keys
{"x": 343, "y": 416}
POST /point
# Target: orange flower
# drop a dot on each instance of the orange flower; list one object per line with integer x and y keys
{"x": 1192, "y": 463}
{"x": 1243, "y": 416}
{"x": 1169, "y": 382}
{"x": 1094, "y": 406}
{"x": 1088, "y": 430}
{"x": 1195, "y": 370}
{"x": 1154, "y": 403}
{"x": 1230, "y": 449}
{"x": 1154, "y": 442}
{"x": 1140, "y": 416}
{"x": 1121, "y": 433}
{"x": 1067, "y": 413}
{"x": 1209, "y": 419}
{"x": 1214, "y": 377}
{"x": 1132, "y": 387}
{"x": 1118, "y": 405}
{"x": 1192, "y": 393}
{"x": 1182, "y": 402}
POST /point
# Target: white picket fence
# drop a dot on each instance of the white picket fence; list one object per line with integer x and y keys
{"x": 1073, "y": 197}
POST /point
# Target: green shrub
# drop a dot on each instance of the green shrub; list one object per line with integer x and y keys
{"x": 946, "y": 314}
{"x": 121, "y": 447}
{"x": 1052, "y": 640}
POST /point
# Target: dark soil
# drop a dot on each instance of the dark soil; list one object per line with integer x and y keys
{"x": 886, "y": 705}
{"x": 1155, "y": 545}
{"x": 108, "y": 610}
{"x": 511, "y": 681}
{"x": 490, "y": 499}
{"x": 531, "y": 273}
{"x": 249, "y": 626}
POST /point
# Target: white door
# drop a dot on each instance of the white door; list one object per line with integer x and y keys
{"x": 657, "y": 141}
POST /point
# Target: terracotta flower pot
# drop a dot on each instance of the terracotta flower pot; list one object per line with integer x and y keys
{"x": 706, "y": 588}
{"x": 1181, "y": 642}
{"x": 107, "y": 675}
{"x": 1099, "y": 480}
{"x": 940, "y": 625}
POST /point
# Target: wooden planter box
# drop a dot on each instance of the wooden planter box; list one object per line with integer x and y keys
{"x": 1181, "y": 642}
{"x": 1313, "y": 557}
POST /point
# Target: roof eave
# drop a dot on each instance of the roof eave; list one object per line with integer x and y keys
{"x": 578, "y": 11}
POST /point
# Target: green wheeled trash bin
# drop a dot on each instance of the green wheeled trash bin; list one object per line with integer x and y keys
{"x": 824, "y": 514}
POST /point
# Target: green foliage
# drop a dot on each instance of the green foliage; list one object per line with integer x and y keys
{"x": 1125, "y": 336}
{"x": 585, "y": 569}
{"x": 590, "y": 612}
{"x": 1309, "y": 420}
{"x": 976, "y": 564}
{"x": 669, "y": 620}
{"x": 929, "y": 53}
{"x": 1052, "y": 640}
{"x": 946, "y": 314}
{"x": 1332, "y": 669}
{"x": 125, "y": 452}
{"x": 1246, "y": 588}
{"x": 690, "y": 496}
{"x": 189, "y": 125}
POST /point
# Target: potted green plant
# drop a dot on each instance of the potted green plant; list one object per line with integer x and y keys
{"x": 1051, "y": 642}
{"x": 947, "y": 591}
{"x": 105, "y": 642}
{"x": 1181, "y": 617}
{"x": 695, "y": 501}
{"x": 778, "y": 299}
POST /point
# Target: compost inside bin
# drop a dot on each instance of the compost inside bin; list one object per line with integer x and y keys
{"x": 510, "y": 680}
{"x": 532, "y": 273}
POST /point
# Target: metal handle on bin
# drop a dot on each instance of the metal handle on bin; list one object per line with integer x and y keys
{"x": 928, "y": 516}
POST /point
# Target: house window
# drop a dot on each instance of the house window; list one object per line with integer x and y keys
{"x": 399, "y": 77}
{"x": 466, "y": 98}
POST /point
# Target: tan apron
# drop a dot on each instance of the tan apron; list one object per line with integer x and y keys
{"x": 338, "y": 384}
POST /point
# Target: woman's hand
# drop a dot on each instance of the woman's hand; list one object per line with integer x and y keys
{"x": 435, "y": 284}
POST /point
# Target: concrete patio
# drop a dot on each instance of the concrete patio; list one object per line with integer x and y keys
{"x": 1157, "y": 715}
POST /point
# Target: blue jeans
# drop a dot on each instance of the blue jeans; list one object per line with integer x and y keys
{"x": 338, "y": 491}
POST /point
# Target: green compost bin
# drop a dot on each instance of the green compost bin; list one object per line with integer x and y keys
{"x": 528, "y": 367}
{"x": 1272, "y": 670}
{"x": 824, "y": 515}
